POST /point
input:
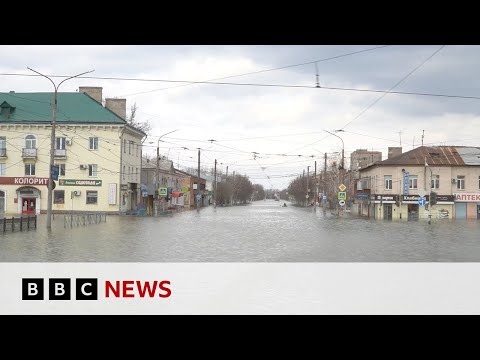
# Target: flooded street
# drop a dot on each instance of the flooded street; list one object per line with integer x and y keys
{"x": 259, "y": 232}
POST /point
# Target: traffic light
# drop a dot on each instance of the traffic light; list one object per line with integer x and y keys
{"x": 433, "y": 198}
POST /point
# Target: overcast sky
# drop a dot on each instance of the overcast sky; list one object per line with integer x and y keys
{"x": 278, "y": 123}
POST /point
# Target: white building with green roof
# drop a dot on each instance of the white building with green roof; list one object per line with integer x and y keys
{"x": 98, "y": 153}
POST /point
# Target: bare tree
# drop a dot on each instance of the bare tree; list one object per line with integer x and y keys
{"x": 139, "y": 125}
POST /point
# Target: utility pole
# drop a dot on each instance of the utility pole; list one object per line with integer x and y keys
{"x": 198, "y": 181}
{"x": 215, "y": 186}
{"x": 324, "y": 179}
{"x": 157, "y": 177}
{"x": 227, "y": 171}
{"x": 52, "y": 142}
{"x": 316, "y": 188}
{"x": 306, "y": 197}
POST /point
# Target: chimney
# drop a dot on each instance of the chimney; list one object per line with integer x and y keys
{"x": 118, "y": 106}
{"x": 394, "y": 151}
{"x": 93, "y": 91}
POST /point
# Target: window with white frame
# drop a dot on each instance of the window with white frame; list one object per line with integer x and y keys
{"x": 92, "y": 169}
{"x": 30, "y": 142}
{"x": 136, "y": 152}
{"x": 460, "y": 182}
{"x": 435, "y": 181}
{"x": 3, "y": 146}
{"x": 29, "y": 169}
{"x": 479, "y": 182}
{"x": 61, "y": 169}
{"x": 3, "y": 169}
{"x": 124, "y": 146}
{"x": 60, "y": 143}
{"x": 123, "y": 172}
{"x": 92, "y": 197}
{"x": 93, "y": 143}
{"x": 130, "y": 146}
{"x": 388, "y": 182}
{"x": 413, "y": 182}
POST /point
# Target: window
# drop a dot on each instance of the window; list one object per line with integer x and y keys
{"x": 412, "y": 182}
{"x": 124, "y": 146}
{"x": 60, "y": 143}
{"x": 92, "y": 169}
{"x": 130, "y": 144}
{"x": 93, "y": 143}
{"x": 59, "y": 196}
{"x": 30, "y": 142}
{"x": 123, "y": 172}
{"x": 435, "y": 181}
{"x": 388, "y": 182}
{"x": 29, "y": 169}
{"x": 3, "y": 169}
{"x": 3, "y": 146}
{"x": 478, "y": 182}
{"x": 461, "y": 182}
{"x": 92, "y": 197}
{"x": 61, "y": 169}
{"x": 136, "y": 171}
{"x": 136, "y": 152}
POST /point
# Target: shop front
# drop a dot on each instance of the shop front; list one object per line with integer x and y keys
{"x": 21, "y": 195}
{"x": 467, "y": 206}
{"x": 386, "y": 206}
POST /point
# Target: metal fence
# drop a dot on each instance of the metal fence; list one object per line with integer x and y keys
{"x": 20, "y": 223}
{"x": 82, "y": 219}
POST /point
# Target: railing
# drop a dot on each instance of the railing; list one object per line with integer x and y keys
{"x": 22, "y": 223}
{"x": 60, "y": 153}
{"x": 29, "y": 153}
{"x": 77, "y": 219}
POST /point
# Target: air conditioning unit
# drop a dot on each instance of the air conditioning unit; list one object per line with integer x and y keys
{"x": 83, "y": 167}
{"x": 68, "y": 141}
{"x": 77, "y": 193}
{"x": 454, "y": 181}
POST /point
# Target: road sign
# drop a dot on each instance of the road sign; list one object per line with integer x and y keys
{"x": 342, "y": 187}
{"x": 162, "y": 191}
{"x": 341, "y": 203}
{"x": 422, "y": 193}
{"x": 342, "y": 195}
{"x": 421, "y": 201}
{"x": 324, "y": 197}
{"x": 306, "y": 196}
{"x": 54, "y": 170}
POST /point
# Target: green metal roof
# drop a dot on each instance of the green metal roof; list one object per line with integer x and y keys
{"x": 72, "y": 108}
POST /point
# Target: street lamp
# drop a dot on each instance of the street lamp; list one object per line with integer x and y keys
{"x": 343, "y": 145}
{"x": 158, "y": 161}
{"x": 52, "y": 141}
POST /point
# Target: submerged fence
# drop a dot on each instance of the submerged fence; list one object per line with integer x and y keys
{"x": 77, "y": 219}
{"x": 20, "y": 223}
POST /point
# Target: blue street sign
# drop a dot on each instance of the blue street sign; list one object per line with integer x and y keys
{"x": 421, "y": 201}
{"x": 405, "y": 182}
{"x": 54, "y": 171}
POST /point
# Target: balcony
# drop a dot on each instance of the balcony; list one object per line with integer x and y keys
{"x": 60, "y": 153}
{"x": 3, "y": 153}
{"x": 29, "y": 153}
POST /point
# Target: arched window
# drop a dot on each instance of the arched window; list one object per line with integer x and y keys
{"x": 30, "y": 142}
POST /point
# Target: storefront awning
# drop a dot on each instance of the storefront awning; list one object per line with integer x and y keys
{"x": 177, "y": 194}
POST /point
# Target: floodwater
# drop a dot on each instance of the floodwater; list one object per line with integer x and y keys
{"x": 263, "y": 231}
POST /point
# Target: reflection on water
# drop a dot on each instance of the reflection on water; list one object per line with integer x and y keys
{"x": 260, "y": 232}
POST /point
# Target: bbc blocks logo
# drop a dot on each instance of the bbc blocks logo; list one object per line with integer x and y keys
{"x": 87, "y": 289}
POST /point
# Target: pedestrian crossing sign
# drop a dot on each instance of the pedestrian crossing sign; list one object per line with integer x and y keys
{"x": 342, "y": 195}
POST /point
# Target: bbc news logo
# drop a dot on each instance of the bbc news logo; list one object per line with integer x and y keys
{"x": 87, "y": 289}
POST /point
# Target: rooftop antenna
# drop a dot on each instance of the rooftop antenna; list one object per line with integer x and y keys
{"x": 316, "y": 72}
{"x": 400, "y": 133}
{"x": 423, "y": 134}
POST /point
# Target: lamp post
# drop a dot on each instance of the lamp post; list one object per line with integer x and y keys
{"x": 52, "y": 141}
{"x": 342, "y": 167}
{"x": 157, "y": 176}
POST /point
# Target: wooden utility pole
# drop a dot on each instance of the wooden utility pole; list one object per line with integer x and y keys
{"x": 198, "y": 181}
{"x": 316, "y": 188}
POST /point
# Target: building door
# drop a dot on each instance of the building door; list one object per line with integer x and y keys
{"x": 478, "y": 210}
{"x": 28, "y": 205}
{"x": 2, "y": 203}
{"x": 387, "y": 211}
{"x": 460, "y": 211}
{"x": 412, "y": 212}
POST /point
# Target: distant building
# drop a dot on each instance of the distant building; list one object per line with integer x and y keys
{"x": 362, "y": 158}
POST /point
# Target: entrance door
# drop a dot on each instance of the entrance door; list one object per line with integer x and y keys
{"x": 387, "y": 211}
{"x": 412, "y": 212}
{"x": 478, "y": 210}
{"x": 28, "y": 205}
{"x": 460, "y": 211}
{"x": 2, "y": 203}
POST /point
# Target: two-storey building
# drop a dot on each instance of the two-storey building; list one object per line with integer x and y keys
{"x": 97, "y": 153}
{"x": 400, "y": 186}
